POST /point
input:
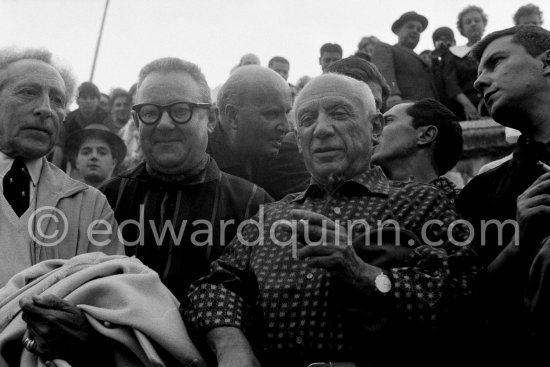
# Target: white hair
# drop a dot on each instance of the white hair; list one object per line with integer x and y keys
{"x": 12, "y": 54}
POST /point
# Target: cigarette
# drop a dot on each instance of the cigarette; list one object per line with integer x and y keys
{"x": 544, "y": 166}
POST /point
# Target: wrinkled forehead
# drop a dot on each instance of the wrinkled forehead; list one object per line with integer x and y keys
{"x": 261, "y": 90}
{"x": 34, "y": 72}
{"x": 336, "y": 88}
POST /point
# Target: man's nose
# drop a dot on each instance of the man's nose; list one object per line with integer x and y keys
{"x": 323, "y": 127}
{"x": 44, "y": 108}
{"x": 482, "y": 82}
{"x": 283, "y": 124}
{"x": 165, "y": 121}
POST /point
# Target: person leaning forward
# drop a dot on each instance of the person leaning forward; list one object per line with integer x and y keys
{"x": 44, "y": 214}
{"x": 289, "y": 294}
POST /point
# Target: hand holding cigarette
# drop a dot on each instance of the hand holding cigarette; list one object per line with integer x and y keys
{"x": 544, "y": 166}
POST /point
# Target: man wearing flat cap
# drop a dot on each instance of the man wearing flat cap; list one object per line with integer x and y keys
{"x": 95, "y": 152}
{"x": 408, "y": 75}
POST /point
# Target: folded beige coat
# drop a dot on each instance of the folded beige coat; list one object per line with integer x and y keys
{"x": 123, "y": 300}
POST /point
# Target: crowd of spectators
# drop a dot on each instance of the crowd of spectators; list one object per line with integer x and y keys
{"x": 279, "y": 175}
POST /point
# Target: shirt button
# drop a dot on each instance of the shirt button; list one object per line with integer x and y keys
{"x": 337, "y": 210}
{"x": 309, "y": 276}
{"x": 299, "y": 340}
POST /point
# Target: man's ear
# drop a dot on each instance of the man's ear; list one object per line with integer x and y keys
{"x": 135, "y": 118}
{"x": 546, "y": 63}
{"x": 231, "y": 113}
{"x": 213, "y": 117}
{"x": 377, "y": 126}
{"x": 426, "y": 135}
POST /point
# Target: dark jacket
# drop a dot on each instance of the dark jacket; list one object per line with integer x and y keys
{"x": 406, "y": 73}
{"x": 212, "y": 196}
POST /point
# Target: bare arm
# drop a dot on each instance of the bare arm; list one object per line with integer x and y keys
{"x": 231, "y": 347}
{"x": 470, "y": 111}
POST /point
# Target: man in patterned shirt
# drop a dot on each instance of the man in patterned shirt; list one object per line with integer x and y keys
{"x": 291, "y": 293}
{"x": 421, "y": 141}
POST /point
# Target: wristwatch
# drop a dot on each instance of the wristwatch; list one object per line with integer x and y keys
{"x": 382, "y": 283}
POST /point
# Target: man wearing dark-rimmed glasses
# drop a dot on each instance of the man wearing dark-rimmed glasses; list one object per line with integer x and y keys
{"x": 180, "y": 112}
{"x": 182, "y": 207}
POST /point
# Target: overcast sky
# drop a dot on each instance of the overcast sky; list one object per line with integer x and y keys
{"x": 216, "y": 33}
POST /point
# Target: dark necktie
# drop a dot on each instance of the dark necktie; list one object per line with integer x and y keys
{"x": 16, "y": 186}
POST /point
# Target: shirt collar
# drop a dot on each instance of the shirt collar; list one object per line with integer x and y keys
{"x": 444, "y": 184}
{"x": 373, "y": 180}
{"x": 34, "y": 167}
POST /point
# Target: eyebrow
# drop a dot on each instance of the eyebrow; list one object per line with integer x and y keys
{"x": 489, "y": 59}
{"x": 337, "y": 104}
{"x": 36, "y": 85}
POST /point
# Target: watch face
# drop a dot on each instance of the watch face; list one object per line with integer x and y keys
{"x": 382, "y": 283}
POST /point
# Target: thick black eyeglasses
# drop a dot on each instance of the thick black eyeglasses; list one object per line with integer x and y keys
{"x": 180, "y": 112}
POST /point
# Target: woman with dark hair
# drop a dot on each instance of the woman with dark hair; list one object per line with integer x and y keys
{"x": 461, "y": 69}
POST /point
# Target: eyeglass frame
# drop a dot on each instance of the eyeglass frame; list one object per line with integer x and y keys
{"x": 166, "y": 108}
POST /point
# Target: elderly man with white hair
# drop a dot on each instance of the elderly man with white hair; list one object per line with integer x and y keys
{"x": 44, "y": 214}
{"x": 288, "y": 291}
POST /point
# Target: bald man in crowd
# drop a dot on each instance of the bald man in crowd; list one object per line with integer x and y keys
{"x": 289, "y": 163}
{"x": 253, "y": 106}
{"x": 300, "y": 296}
